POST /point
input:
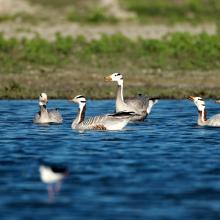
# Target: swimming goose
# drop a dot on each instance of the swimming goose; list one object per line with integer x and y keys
{"x": 44, "y": 115}
{"x": 141, "y": 105}
{"x": 214, "y": 121}
{"x": 115, "y": 121}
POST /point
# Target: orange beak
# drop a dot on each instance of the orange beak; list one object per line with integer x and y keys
{"x": 108, "y": 78}
{"x": 191, "y": 98}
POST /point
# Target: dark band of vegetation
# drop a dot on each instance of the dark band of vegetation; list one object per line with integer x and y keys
{"x": 178, "y": 51}
{"x": 161, "y": 11}
{"x": 174, "y": 11}
{"x": 81, "y": 65}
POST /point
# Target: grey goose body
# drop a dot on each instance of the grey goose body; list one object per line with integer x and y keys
{"x": 141, "y": 105}
{"x": 115, "y": 121}
{"x": 214, "y": 121}
{"x": 45, "y": 115}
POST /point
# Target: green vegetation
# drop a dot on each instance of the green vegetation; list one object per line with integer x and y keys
{"x": 79, "y": 11}
{"x": 59, "y": 4}
{"x": 174, "y": 10}
{"x": 86, "y": 11}
{"x": 96, "y": 15}
{"x": 147, "y": 11}
{"x": 178, "y": 51}
{"x": 172, "y": 67}
{"x": 21, "y": 17}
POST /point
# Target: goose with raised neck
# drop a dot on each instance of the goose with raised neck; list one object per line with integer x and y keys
{"x": 214, "y": 121}
{"x": 102, "y": 122}
{"x": 44, "y": 115}
{"x": 141, "y": 105}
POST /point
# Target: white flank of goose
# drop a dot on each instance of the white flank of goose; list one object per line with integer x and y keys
{"x": 214, "y": 121}
{"x": 115, "y": 121}
{"x": 141, "y": 105}
{"x": 47, "y": 116}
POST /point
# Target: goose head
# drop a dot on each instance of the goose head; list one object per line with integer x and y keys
{"x": 79, "y": 99}
{"x": 199, "y": 102}
{"x": 116, "y": 77}
{"x": 43, "y": 100}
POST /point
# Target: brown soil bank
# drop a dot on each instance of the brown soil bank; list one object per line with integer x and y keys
{"x": 133, "y": 31}
{"x": 59, "y": 84}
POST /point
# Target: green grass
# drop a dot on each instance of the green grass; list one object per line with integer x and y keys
{"x": 59, "y": 4}
{"x": 147, "y": 11}
{"x": 86, "y": 11}
{"x": 174, "y": 11}
{"x": 91, "y": 16}
{"x": 21, "y": 17}
{"x": 178, "y": 51}
{"x": 176, "y": 66}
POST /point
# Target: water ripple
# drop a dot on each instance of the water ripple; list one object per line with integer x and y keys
{"x": 163, "y": 168}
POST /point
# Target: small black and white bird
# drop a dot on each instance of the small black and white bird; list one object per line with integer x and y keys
{"x": 52, "y": 175}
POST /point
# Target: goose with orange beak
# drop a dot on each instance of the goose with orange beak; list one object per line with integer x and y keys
{"x": 214, "y": 121}
{"x": 141, "y": 105}
{"x": 115, "y": 121}
{"x": 47, "y": 116}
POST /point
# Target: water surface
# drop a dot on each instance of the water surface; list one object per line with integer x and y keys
{"x": 163, "y": 168}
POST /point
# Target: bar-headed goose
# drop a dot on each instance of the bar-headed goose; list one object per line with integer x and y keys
{"x": 44, "y": 115}
{"x": 115, "y": 121}
{"x": 214, "y": 121}
{"x": 141, "y": 105}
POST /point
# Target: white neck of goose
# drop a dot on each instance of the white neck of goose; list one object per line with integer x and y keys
{"x": 43, "y": 106}
{"x": 200, "y": 104}
{"x": 150, "y": 105}
{"x": 120, "y": 95}
{"x": 202, "y": 117}
{"x": 81, "y": 114}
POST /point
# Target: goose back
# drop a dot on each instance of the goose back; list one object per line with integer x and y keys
{"x": 214, "y": 121}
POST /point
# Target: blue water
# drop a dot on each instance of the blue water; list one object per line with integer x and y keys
{"x": 164, "y": 168}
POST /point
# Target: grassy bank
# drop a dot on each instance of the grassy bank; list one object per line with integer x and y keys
{"x": 86, "y": 11}
{"x": 173, "y": 11}
{"x": 174, "y": 67}
{"x": 175, "y": 52}
{"x": 147, "y": 11}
